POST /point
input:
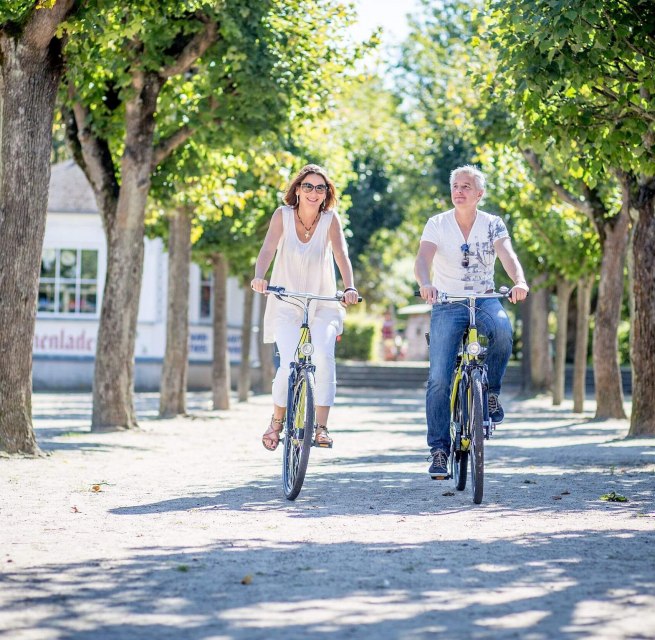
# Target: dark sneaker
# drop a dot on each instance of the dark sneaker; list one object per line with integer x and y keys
{"x": 439, "y": 468}
{"x": 496, "y": 413}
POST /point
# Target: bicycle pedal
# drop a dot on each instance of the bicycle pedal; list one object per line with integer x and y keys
{"x": 446, "y": 477}
{"x": 322, "y": 446}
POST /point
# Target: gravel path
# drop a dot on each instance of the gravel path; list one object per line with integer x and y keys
{"x": 180, "y": 531}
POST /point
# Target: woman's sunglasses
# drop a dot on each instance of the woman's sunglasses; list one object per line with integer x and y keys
{"x": 308, "y": 187}
{"x": 465, "y": 259}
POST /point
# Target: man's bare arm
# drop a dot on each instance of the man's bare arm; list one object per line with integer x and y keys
{"x": 513, "y": 268}
{"x": 422, "y": 269}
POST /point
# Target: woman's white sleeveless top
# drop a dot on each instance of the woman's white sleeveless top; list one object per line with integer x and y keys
{"x": 307, "y": 267}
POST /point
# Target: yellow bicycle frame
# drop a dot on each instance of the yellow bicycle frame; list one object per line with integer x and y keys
{"x": 305, "y": 337}
{"x": 471, "y": 336}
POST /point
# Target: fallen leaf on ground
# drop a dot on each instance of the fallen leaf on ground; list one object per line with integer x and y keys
{"x": 529, "y": 482}
{"x": 246, "y": 579}
{"x": 74, "y": 509}
{"x": 566, "y": 493}
{"x": 612, "y": 496}
{"x": 95, "y": 487}
{"x": 557, "y": 497}
{"x": 448, "y": 493}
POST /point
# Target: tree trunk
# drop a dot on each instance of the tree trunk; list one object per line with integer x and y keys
{"x": 265, "y": 352}
{"x": 540, "y": 360}
{"x": 246, "y": 336}
{"x": 607, "y": 373}
{"x": 172, "y": 393}
{"x": 585, "y": 285}
{"x": 525, "y": 310}
{"x": 30, "y": 70}
{"x": 564, "y": 290}
{"x": 221, "y": 364}
{"x": 113, "y": 383}
{"x": 642, "y": 421}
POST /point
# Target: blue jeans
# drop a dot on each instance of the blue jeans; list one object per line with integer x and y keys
{"x": 447, "y": 326}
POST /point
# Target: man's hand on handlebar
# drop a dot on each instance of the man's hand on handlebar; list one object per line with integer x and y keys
{"x": 429, "y": 293}
{"x": 518, "y": 293}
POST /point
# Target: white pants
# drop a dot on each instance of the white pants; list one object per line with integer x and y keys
{"x": 324, "y": 335}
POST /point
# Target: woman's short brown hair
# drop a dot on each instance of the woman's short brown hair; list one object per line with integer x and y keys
{"x": 330, "y": 196}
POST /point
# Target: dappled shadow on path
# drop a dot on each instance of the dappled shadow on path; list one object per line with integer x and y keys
{"x": 540, "y": 587}
{"x": 360, "y": 493}
{"x": 62, "y": 421}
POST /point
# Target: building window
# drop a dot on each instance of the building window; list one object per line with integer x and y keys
{"x": 206, "y": 296}
{"x": 69, "y": 281}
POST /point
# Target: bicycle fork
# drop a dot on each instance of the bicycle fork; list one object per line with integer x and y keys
{"x": 303, "y": 361}
{"x": 458, "y": 436}
{"x": 487, "y": 424}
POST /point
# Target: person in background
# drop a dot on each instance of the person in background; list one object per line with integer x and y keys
{"x": 389, "y": 336}
{"x": 457, "y": 253}
{"x": 306, "y": 238}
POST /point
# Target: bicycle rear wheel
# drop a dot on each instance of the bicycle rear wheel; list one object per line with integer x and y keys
{"x": 458, "y": 457}
{"x": 477, "y": 437}
{"x": 299, "y": 434}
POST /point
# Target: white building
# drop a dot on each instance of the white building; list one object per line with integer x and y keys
{"x": 73, "y": 271}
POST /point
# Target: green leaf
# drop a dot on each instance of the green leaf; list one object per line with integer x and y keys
{"x": 612, "y": 496}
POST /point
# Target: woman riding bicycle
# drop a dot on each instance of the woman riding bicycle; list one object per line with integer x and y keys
{"x": 308, "y": 238}
{"x": 460, "y": 247}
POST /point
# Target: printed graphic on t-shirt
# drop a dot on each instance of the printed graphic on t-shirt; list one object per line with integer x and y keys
{"x": 482, "y": 256}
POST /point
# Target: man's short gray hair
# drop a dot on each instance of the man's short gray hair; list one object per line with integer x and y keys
{"x": 479, "y": 177}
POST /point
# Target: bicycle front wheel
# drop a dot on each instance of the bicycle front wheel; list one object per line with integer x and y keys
{"x": 477, "y": 436}
{"x": 299, "y": 434}
{"x": 458, "y": 453}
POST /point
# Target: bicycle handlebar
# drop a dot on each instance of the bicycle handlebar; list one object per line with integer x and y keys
{"x": 281, "y": 291}
{"x": 443, "y": 298}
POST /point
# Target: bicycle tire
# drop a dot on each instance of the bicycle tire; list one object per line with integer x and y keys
{"x": 299, "y": 434}
{"x": 477, "y": 437}
{"x": 458, "y": 458}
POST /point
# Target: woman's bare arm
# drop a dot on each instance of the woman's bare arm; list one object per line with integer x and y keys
{"x": 340, "y": 250}
{"x": 266, "y": 253}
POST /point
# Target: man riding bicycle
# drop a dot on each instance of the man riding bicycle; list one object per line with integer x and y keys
{"x": 459, "y": 247}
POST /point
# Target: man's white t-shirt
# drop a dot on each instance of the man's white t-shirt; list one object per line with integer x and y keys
{"x": 448, "y": 274}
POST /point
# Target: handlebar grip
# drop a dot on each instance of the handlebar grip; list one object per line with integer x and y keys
{"x": 274, "y": 289}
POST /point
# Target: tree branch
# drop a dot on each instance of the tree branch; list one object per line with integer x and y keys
{"x": 631, "y": 106}
{"x": 43, "y": 23}
{"x": 565, "y": 195}
{"x": 94, "y": 158}
{"x": 625, "y": 41}
{"x": 200, "y": 42}
{"x": 165, "y": 147}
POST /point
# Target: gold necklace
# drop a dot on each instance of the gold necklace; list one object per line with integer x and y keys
{"x": 309, "y": 228}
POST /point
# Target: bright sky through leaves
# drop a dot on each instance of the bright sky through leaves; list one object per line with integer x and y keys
{"x": 388, "y": 14}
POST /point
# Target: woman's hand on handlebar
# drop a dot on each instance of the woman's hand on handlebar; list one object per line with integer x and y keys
{"x": 259, "y": 285}
{"x": 350, "y": 296}
{"x": 429, "y": 293}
